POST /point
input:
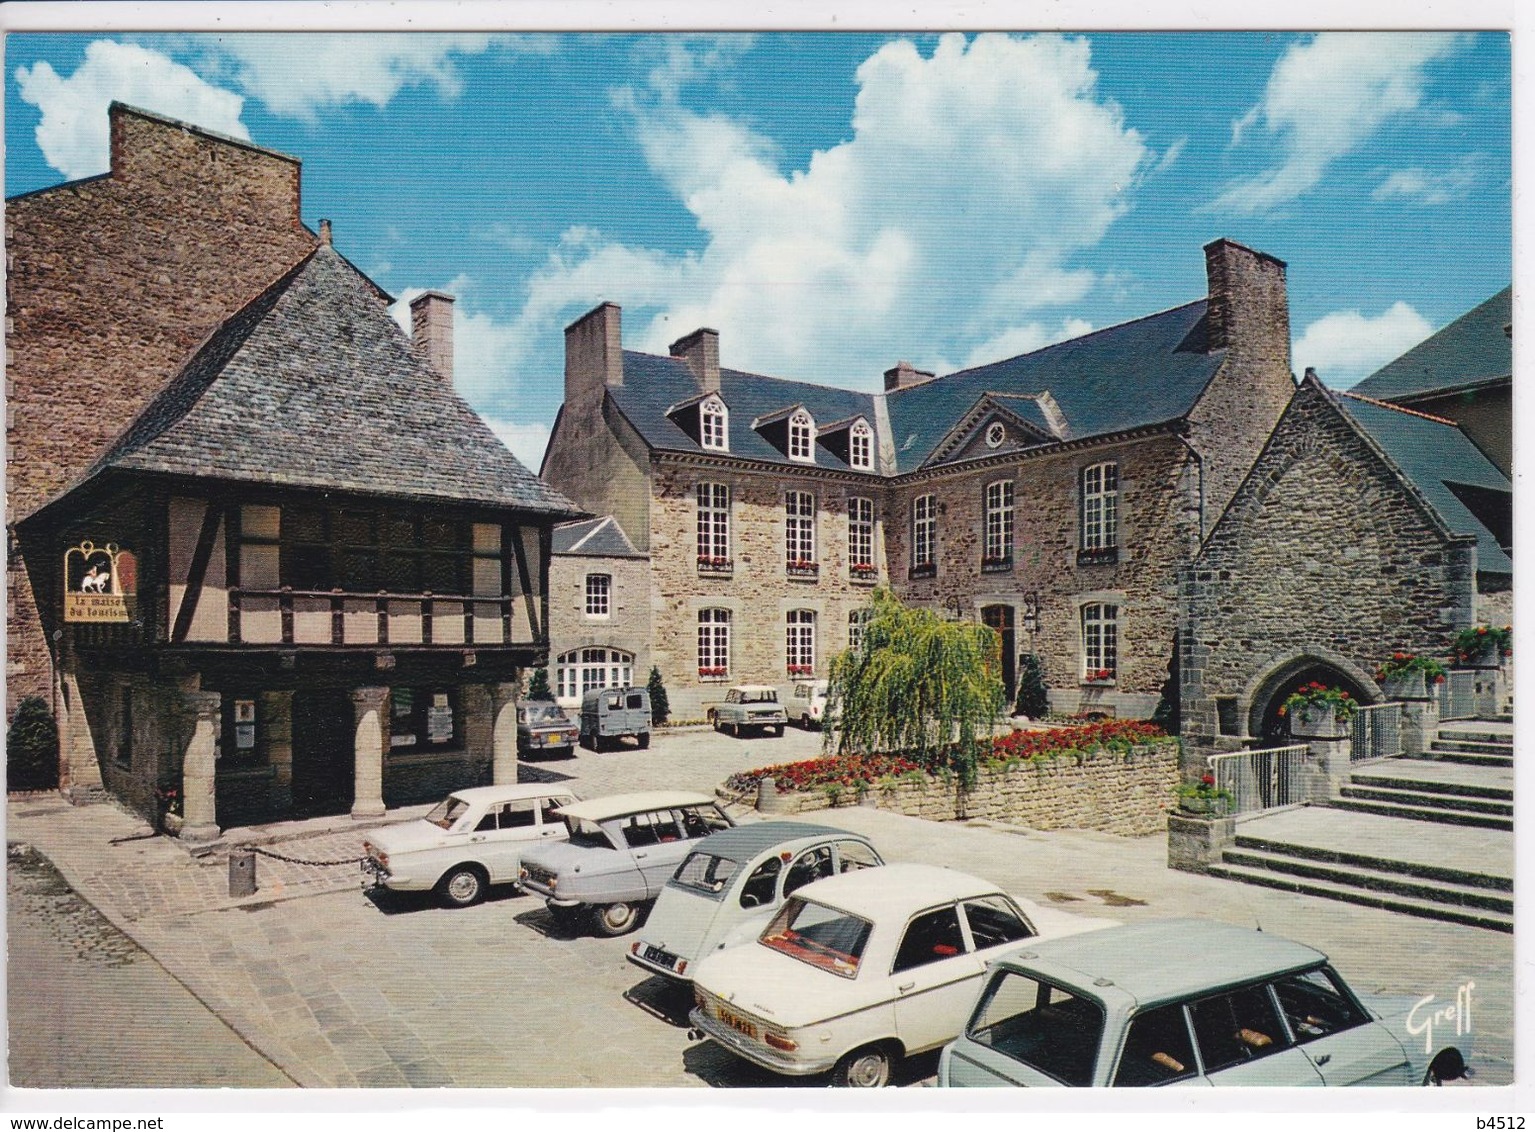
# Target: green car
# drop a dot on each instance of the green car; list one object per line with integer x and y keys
{"x": 1194, "y": 1002}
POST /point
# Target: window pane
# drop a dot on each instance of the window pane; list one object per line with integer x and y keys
{"x": 1237, "y": 1027}
{"x": 1315, "y": 1005}
{"x": 1157, "y": 1049}
{"x": 929, "y": 938}
{"x": 993, "y": 921}
{"x": 1040, "y": 1026}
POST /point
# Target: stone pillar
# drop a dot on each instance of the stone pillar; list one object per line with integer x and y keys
{"x": 1420, "y": 723}
{"x": 368, "y": 750}
{"x": 277, "y": 717}
{"x": 1329, "y": 767}
{"x": 1195, "y": 842}
{"x": 199, "y": 768}
{"x": 503, "y": 742}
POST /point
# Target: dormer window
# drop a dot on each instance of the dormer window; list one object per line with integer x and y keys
{"x": 861, "y": 447}
{"x": 714, "y": 425}
{"x": 802, "y": 437}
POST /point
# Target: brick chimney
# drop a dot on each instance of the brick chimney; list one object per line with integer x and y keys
{"x": 1249, "y": 310}
{"x": 905, "y": 375}
{"x": 701, "y": 351}
{"x": 594, "y": 352}
{"x": 431, "y": 329}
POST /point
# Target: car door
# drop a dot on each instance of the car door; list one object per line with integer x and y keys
{"x": 933, "y": 979}
{"x": 501, "y": 835}
{"x": 1243, "y": 1041}
{"x": 658, "y": 845}
{"x": 1344, "y": 1043}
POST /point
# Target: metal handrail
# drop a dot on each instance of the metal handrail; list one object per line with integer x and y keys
{"x": 1259, "y": 780}
{"x": 1375, "y": 732}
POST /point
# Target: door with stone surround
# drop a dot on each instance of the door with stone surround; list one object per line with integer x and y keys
{"x": 323, "y": 756}
{"x": 1000, "y": 618}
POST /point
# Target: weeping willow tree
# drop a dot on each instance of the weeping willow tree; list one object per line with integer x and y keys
{"x": 917, "y": 684}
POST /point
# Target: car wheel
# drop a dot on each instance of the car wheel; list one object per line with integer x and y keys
{"x": 463, "y": 886}
{"x": 804, "y": 721}
{"x": 866, "y": 1068}
{"x": 735, "y": 729}
{"x": 617, "y": 919}
{"x": 1448, "y": 1066}
{"x": 644, "y": 740}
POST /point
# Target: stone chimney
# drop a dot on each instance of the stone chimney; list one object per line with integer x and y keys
{"x": 325, "y": 234}
{"x": 431, "y": 327}
{"x": 701, "y": 351}
{"x": 594, "y": 352}
{"x": 1249, "y": 310}
{"x": 904, "y": 375}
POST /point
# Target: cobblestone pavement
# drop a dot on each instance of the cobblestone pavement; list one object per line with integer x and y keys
{"x": 339, "y": 988}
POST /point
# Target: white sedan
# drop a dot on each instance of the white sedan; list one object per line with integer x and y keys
{"x": 860, "y": 970}
{"x": 470, "y": 840}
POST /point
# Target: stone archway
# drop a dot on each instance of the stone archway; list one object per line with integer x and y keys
{"x": 1267, "y": 693}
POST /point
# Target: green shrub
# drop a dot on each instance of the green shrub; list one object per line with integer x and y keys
{"x": 1033, "y": 695}
{"x": 660, "y": 706}
{"x": 538, "y": 687}
{"x": 32, "y": 747}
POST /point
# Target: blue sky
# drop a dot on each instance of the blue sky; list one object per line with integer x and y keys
{"x": 835, "y": 202}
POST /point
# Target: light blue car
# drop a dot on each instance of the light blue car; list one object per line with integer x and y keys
{"x": 1195, "y": 1002}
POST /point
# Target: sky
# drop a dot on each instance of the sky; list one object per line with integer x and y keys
{"x": 834, "y": 202}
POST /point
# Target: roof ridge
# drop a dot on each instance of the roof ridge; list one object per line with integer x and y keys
{"x": 1395, "y": 408}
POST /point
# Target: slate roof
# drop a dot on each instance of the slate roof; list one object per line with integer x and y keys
{"x": 1135, "y": 374}
{"x": 1144, "y": 372}
{"x": 1472, "y": 350}
{"x": 594, "y": 538}
{"x": 1432, "y": 453}
{"x": 313, "y": 385}
{"x": 652, "y": 384}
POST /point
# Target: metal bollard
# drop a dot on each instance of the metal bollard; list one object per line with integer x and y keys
{"x": 242, "y": 872}
{"x": 768, "y": 800}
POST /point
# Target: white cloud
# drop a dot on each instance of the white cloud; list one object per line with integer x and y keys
{"x": 834, "y": 271}
{"x": 1025, "y": 340}
{"x": 1325, "y": 98}
{"x": 296, "y": 74}
{"x": 526, "y": 440}
{"x": 73, "y": 133}
{"x": 1424, "y": 186}
{"x": 1345, "y": 346}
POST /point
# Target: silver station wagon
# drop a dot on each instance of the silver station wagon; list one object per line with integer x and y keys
{"x": 621, "y": 851}
{"x": 733, "y": 882}
{"x": 1193, "y": 1002}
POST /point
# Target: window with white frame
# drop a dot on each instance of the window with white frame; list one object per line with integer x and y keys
{"x": 714, "y": 425}
{"x": 1100, "y": 641}
{"x": 799, "y": 529}
{"x": 713, "y": 524}
{"x": 860, "y": 534}
{"x": 714, "y": 642}
{"x": 924, "y": 530}
{"x": 857, "y": 620}
{"x": 580, "y": 670}
{"x": 861, "y": 446}
{"x": 799, "y": 642}
{"x": 1100, "y": 506}
{"x": 999, "y": 523}
{"x": 599, "y": 591}
{"x": 801, "y": 437}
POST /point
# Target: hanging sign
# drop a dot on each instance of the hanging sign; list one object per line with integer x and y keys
{"x": 100, "y": 583}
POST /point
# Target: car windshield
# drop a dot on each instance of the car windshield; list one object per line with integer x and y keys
{"x": 823, "y": 937}
{"x": 706, "y": 873}
{"x": 446, "y": 812}
{"x": 547, "y": 713}
{"x": 761, "y": 696}
{"x": 1040, "y": 1026}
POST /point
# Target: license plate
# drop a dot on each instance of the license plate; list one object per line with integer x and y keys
{"x": 660, "y": 958}
{"x": 736, "y": 1022}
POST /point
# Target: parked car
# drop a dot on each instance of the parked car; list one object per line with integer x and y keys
{"x": 807, "y": 703}
{"x": 609, "y": 715}
{"x": 860, "y": 970}
{"x": 470, "y": 840}
{"x": 1192, "y": 1002}
{"x": 621, "y": 851}
{"x": 750, "y": 707}
{"x": 730, "y": 885}
{"x": 543, "y": 726}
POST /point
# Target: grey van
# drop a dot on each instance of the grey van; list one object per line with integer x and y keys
{"x": 610, "y": 714}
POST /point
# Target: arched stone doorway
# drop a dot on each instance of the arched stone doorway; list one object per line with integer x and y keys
{"x": 1264, "y": 721}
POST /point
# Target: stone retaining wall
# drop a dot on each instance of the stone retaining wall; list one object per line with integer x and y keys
{"x": 1127, "y": 794}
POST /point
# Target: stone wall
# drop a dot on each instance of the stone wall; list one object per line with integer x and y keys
{"x": 627, "y": 626}
{"x": 1323, "y": 555}
{"x": 111, "y": 283}
{"x": 1158, "y": 530}
{"x": 1127, "y": 794}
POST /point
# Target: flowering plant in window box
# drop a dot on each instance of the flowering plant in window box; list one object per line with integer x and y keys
{"x": 713, "y": 673}
{"x": 1317, "y": 711}
{"x": 1482, "y": 645}
{"x": 802, "y": 566}
{"x": 801, "y": 669}
{"x": 1203, "y": 797}
{"x": 714, "y": 562}
{"x": 1099, "y": 676}
{"x": 997, "y": 562}
{"x": 1408, "y": 676}
{"x": 864, "y": 570}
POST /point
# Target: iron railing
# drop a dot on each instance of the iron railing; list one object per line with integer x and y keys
{"x": 1375, "y": 732}
{"x": 1260, "y": 780}
{"x": 1457, "y": 695}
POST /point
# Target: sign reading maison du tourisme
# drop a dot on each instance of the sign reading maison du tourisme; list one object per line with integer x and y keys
{"x": 100, "y": 583}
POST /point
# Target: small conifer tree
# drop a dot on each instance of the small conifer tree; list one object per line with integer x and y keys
{"x": 538, "y": 687}
{"x": 32, "y": 747}
{"x": 660, "y": 707}
{"x": 1033, "y": 695}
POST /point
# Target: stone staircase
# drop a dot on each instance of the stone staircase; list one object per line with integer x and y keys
{"x": 1430, "y": 836}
